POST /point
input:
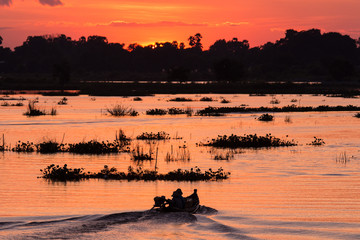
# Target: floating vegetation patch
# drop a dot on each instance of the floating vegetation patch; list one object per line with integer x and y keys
{"x": 96, "y": 147}
{"x": 7, "y": 104}
{"x": 137, "y": 99}
{"x": 206, "y": 99}
{"x": 357, "y": 115}
{"x": 57, "y": 173}
{"x": 181, "y": 99}
{"x": 274, "y": 101}
{"x": 63, "y": 101}
{"x": 248, "y": 141}
{"x": 24, "y": 147}
{"x": 156, "y": 111}
{"x": 153, "y": 136}
{"x": 90, "y": 147}
{"x": 224, "y": 101}
{"x": 266, "y": 117}
{"x": 291, "y": 108}
{"x": 317, "y": 142}
{"x": 119, "y": 110}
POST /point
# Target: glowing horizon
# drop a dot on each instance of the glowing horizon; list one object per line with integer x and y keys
{"x": 144, "y": 22}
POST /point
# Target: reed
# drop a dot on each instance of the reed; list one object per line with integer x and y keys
{"x": 138, "y": 154}
{"x": 181, "y": 154}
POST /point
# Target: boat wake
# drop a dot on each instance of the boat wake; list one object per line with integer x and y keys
{"x": 104, "y": 226}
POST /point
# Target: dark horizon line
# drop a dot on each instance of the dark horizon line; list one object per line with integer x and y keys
{"x": 126, "y": 46}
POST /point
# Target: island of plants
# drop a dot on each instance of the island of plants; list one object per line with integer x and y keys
{"x": 58, "y": 173}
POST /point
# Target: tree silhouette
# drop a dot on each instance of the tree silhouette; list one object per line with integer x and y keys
{"x": 1, "y": 40}
{"x": 195, "y": 41}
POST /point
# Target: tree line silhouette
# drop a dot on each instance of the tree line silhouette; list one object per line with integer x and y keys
{"x": 300, "y": 56}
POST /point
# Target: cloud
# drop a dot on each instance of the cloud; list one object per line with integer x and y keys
{"x": 233, "y": 24}
{"x": 155, "y": 24}
{"x": 5, "y": 2}
{"x": 47, "y": 2}
{"x": 5, "y": 28}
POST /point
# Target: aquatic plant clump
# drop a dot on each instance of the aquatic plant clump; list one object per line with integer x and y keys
{"x": 50, "y": 147}
{"x": 206, "y": 99}
{"x": 95, "y": 147}
{"x": 58, "y": 173}
{"x": 63, "y": 173}
{"x": 357, "y": 115}
{"x": 266, "y": 117}
{"x": 317, "y": 142}
{"x": 248, "y": 141}
{"x": 153, "y": 136}
{"x": 24, "y": 147}
{"x": 181, "y": 99}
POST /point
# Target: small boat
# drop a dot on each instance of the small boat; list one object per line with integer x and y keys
{"x": 192, "y": 204}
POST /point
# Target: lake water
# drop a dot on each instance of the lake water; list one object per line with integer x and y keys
{"x": 300, "y": 192}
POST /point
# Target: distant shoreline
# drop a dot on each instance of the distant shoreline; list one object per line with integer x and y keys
{"x": 336, "y": 89}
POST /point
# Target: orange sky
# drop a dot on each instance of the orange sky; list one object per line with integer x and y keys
{"x": 145, "y": 22}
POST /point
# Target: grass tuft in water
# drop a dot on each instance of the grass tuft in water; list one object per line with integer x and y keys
{"x": 119, "y": 110}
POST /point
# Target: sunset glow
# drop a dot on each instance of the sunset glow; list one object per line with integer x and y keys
{"x": 144, "y": 22}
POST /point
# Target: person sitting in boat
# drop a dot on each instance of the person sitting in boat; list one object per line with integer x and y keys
{"x": 177, "y": 200}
